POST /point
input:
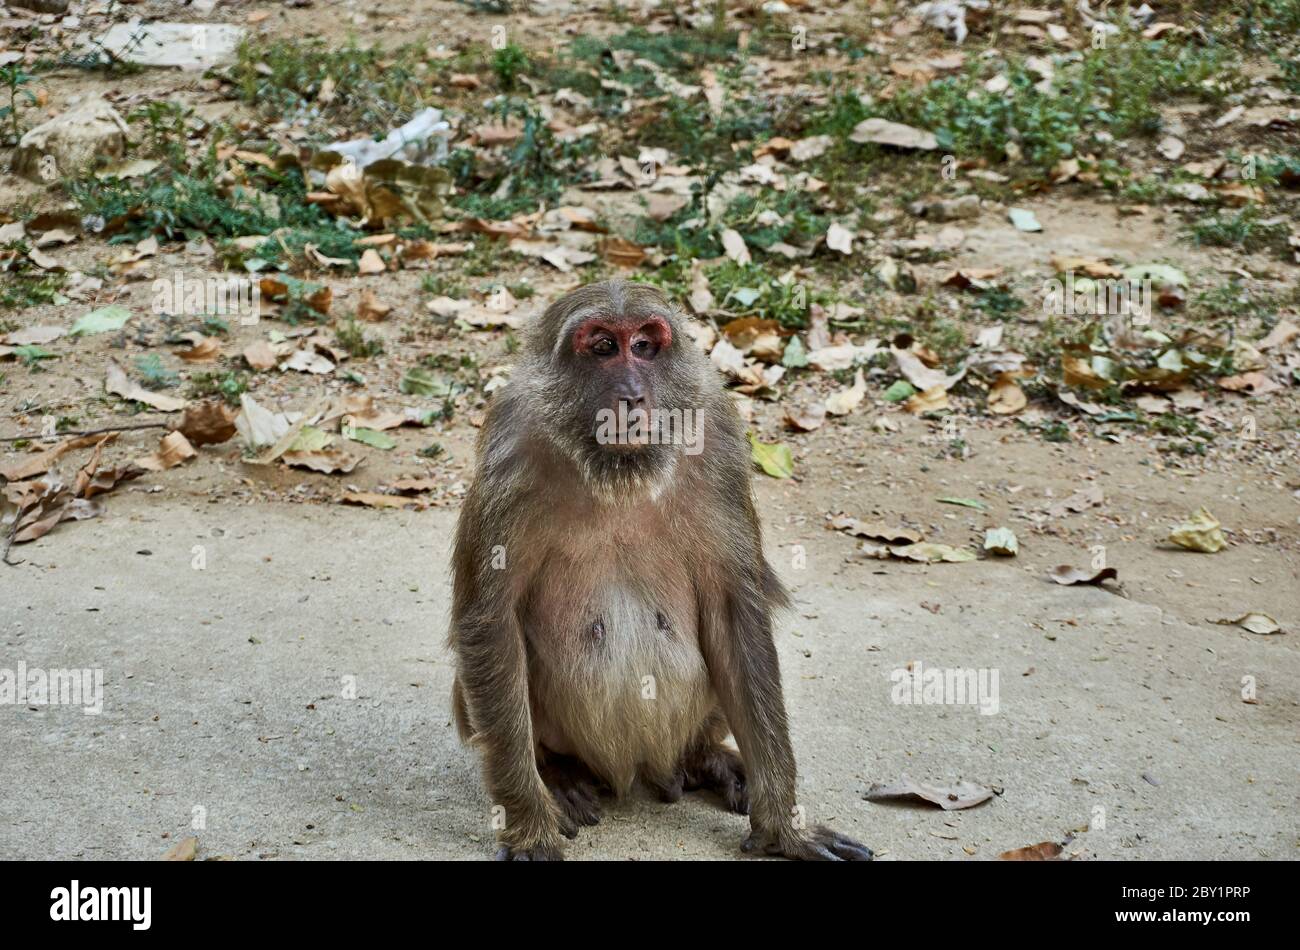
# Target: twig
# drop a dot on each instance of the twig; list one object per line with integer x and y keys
{"x": 9, "y": 542}
{"x": 42, "y": 435}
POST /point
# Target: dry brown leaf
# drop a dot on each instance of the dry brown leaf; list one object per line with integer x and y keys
{"x": 1068, "y": 576}
{"x": 1088, "y": 266}
{"x": 183, "y": 850}
{"x": 260, "y": 355}
{"x": 329, "y": 461}
{"x": 207, "y": 423}
{"x": 621, "y": 252}
{"x": 172, "y": 451}
{"x": 415, "y": 485}
{"x": 805, "y": 418}
{"x": 370, "y": 308}
{"x": 1252, "y": 384}
{"x": 1005, "y": 396}
{"x": 371, "y": 262}
{"x": 949, "y": 798}
{"x": 1046, "y": 851}
{"x": 846, "y": 400}
{"x": 37, "y": 336}
{"x": 875, "y": 530}
{"x": 928, "y": 400}
{"x": 117, "y": 383}
{"x": 882, "y": 132}
{"x": 203, "y": 349}
{"x": 376, "y": 500}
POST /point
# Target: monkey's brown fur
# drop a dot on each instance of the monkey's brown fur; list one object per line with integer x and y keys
{"x": 611, "y": 612}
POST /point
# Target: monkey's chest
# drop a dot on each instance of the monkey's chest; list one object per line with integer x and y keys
{"x": 615, "y": 669}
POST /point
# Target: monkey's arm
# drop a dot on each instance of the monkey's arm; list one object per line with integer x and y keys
{"x": 739, "y": 649}
{"x": 492, "y": 671}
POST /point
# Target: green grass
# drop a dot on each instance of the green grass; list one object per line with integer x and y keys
{"x": 228, "y": 386}
{"x": 22, "y": 283}
{"x": 370, "y": 89}
{"x": 154, "y": 374}
{"x": 1247, "y": 230}
{"x": 353, "y": 338}
{"x": 1118, "y": 89}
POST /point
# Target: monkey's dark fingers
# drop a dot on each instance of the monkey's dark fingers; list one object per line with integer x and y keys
{"x": 842, "y": 846}
{"x": 822, "y": 845}
{"x": 568, "y": 827}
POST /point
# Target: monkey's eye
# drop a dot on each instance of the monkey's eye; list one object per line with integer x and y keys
{"x": 604, "y": 346}
{"x": 645, "y": 349}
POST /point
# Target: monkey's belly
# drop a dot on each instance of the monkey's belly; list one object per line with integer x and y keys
{"x": 617, "y": 680}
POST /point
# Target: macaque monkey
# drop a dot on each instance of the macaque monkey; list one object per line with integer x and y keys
{"x": 612, "y": 606}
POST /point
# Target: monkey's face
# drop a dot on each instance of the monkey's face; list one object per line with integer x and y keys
{"x": 620, "y": 361}
{"x": 620, "y": 398}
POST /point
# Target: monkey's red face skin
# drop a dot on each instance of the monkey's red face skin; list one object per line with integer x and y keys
{"x": 623, "y": 341}
{"x": 620, "y": 356}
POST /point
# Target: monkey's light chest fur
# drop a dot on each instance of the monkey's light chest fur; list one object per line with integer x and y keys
{"x": 615, "y": 670}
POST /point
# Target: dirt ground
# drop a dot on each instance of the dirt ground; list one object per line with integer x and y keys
{"x": 222, "y": 683}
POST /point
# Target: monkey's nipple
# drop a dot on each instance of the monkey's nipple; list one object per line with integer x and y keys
{"x": 598, "y": 631}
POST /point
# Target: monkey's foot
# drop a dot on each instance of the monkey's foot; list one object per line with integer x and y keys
{"x": 576, "y": 790}
{"x": 717, "y": 769}
{"x": 542, "y": 853}
{"x": 822, "y": 844}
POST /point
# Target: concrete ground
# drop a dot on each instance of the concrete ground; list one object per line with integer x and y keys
{"x": 224, "y": 699}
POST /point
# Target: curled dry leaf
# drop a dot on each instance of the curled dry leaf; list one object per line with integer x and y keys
{"x": 172, "y": 451}
{"x": 183, "y": 850}
{"x": 414, "y": 486}
{"x": 1068, "y": 576}
{"x": 735, "y": 247}
{"x": 875, "y": 530}
{"x": 1280, "y": 335}
{"x": 948, "y": 797}
{"x": 756, "y": 337}
{"x": 839, "y": 238}
{"x": 1252, "y": 384}
{"x": 376, "y": 500}
{"x": 924, "y": 552}
{"x": 1046, "y": 851}
{"x": 1255, "y": 622}
{"x": 1002, "y": 542}
{"x": 261, "y": 355}
{"x": 913, "y": 367}
{"x": 202, "y": 349}
{"x": 621, "y": 252}
{"x": 929, "y": 400}
{"x": 1088, "y": 266}
{"x": 805, "y": 418}
{"x": 846, "y": 400}
{"x": 1201, "y": 532}
{"x": 39, "y": 336}
{"x": 117, "y": 383}
{"x": 882, "y": 132}
{"x": 210, "y": 422}
{"x": 370, "y": 308}
{"x": 331, "y": 461}
{"x": 1005, "y": 396}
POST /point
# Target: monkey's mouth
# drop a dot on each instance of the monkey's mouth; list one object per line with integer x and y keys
{"x": 622, "y": 432}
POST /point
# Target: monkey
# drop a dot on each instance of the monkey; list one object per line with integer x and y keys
{"x": 612, "y": 607}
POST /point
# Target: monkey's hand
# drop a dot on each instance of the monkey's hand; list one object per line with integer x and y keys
{"x": 539, "y": 839}
{"x": 821, "y": 844}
